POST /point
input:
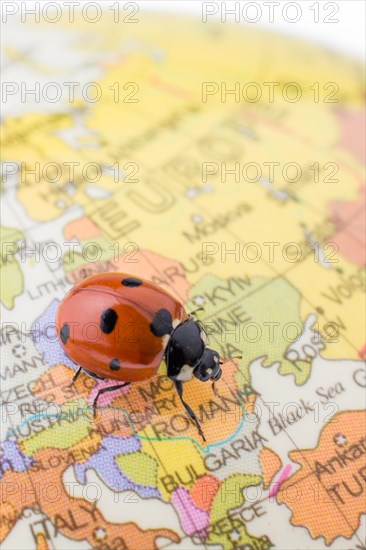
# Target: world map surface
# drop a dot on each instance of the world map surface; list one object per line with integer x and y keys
{"x": 225, "y": 165}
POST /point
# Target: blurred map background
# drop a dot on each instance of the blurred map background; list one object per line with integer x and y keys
{"x": 225, "y": 164}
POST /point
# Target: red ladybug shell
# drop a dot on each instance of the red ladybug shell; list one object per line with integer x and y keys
{"x": 117, "y": 325}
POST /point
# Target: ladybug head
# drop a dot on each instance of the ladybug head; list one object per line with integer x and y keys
{"x": 186, "y": 354}
{"x": 208, "y": 366}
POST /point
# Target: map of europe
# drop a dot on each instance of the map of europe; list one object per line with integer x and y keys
{"x": 224, "y": 164}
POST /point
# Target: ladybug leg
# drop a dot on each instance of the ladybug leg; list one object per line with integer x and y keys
{"x": 78, "y": 371}
{"x": 179, "y": 387}
{"x": 105, "y": 390}
{"x": 76, "y": 374}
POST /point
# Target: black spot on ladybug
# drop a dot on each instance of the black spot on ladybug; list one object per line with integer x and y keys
{"x": 114, "y": 364}
{"x": 108, "y": 320}
{"x": 65, "y": 333}
{"x": 162, "y": 323}
{"x": 131, "y": 281}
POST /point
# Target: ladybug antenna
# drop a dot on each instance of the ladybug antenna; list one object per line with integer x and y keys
{"x": 229, "y": 359}
{"x": 198, "y": 309}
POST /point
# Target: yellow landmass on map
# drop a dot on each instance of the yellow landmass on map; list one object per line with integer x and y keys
{"x": 12, "y": 278}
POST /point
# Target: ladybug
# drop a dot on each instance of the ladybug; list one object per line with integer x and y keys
{"x": 120, "y": 327}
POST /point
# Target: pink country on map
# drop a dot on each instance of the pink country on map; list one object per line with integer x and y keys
{"x": 352, "y": 125}
{"x": 349, "y": 219}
